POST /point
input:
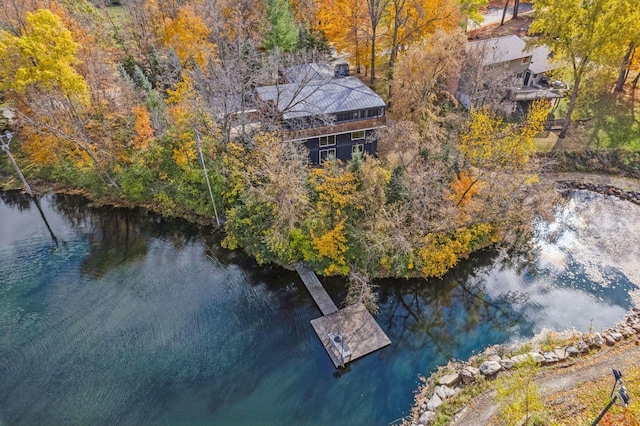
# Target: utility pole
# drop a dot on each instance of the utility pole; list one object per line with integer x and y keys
{"x": 206, "y": 175}
{"x": 5, "y": 148}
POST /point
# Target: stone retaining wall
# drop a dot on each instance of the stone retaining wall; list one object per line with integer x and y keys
{"x": 448, "y": 381}
{"x": 610, "y": 162}
{"x": 622, "y": 194}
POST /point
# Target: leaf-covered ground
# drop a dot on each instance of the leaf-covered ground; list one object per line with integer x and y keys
{"x": 574, "y": 394}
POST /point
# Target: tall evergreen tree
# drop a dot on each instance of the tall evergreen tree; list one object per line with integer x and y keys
{"x": 283, "y": 31}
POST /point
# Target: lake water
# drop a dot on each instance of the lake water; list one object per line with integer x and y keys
{"x": 134, "y": 319}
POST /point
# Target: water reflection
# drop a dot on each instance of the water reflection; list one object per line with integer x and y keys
{"x": 138, "y": 319}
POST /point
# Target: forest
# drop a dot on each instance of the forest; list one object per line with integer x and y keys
{"x": 117, "y": 98}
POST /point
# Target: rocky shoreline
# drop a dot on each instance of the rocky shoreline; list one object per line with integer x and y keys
{"x": 448, "y": 381}
{"x": 623, "y": 194}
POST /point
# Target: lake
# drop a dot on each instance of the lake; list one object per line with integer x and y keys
{"x": 138, "y": 319}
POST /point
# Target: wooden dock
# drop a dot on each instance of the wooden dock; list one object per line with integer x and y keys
{"x": 346, "y": 334}
{"x": 318, "y": 292}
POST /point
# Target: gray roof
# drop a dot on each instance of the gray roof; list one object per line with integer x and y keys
{"x": 308, "y": 72}
{"x": 498, "y": 50}
{"x": 540, "y": 60}
{"x": 320, "y": 97}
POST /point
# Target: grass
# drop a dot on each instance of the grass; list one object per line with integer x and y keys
{"x": 615, "y": 124}
{"x": 582, "y": 405}
{"x": 454, "y": 404}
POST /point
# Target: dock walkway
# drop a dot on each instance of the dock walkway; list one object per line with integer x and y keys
{"x": 346, "y": 334}
{"x": 318, "y": 292}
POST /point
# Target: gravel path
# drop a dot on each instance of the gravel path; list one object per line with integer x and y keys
{"x": 562, "y": 377}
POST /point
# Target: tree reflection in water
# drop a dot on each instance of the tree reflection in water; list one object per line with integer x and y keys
{"x": 443, "y": 312}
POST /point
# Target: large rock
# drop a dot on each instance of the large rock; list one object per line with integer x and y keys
{"x": 450, "y": 379}
{"x": 489, "y": 368}
{"x": 616, "y": 336}
{"x": 562, "y": 354}
{"x": 550, "y": 357}
{"x": 507, "y": 364}
{"x": 469, "y": 374}
{"x": 610, "y": 341}
{"x": 572, "y": 351}
{"x": 596, "y": 341}
{"x": 627, "y": 331}
{"x": 427, "y": 418}
{"x": 444, "y": 392}
{"x": 537, "y": 357}
{"x": 434, "y": 403}
{"x": 583, "y": 347}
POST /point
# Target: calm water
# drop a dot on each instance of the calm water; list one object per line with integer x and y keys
{"x": 135, "y": 319}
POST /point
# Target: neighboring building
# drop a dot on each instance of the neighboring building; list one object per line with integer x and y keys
{"x": 332, "y": 114}
{"x": 508, "y": 62}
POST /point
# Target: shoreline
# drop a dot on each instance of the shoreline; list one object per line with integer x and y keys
{"x": 555, "y": 352}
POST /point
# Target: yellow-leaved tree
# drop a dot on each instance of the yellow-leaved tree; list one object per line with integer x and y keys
{"x": 188, "y": 36}
{"x": 43, "y": 56}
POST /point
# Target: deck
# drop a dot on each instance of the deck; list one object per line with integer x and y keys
{"x": 358, "y": 329}
{"x": 346, "y": 334}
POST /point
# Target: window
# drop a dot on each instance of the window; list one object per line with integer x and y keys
{"x": 357, "y": 135}
{"x": 356, "y": 115}
{"x": 343, "y": 116}
{"x": 373, "y": 112}
{"x": 327, "y": 140}
{"x": 327, "y": 154}
{"x": 357, "y": 148}
{"x": 519, "y": 75}
{"x": 526, "y": 60}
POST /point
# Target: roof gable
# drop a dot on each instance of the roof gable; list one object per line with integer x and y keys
{"x": 319, "y": 97}
{"x": 499, "y": 50}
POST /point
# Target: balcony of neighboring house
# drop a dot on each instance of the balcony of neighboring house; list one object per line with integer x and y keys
{"x": 542, "y": 89}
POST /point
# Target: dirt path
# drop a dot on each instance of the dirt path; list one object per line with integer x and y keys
{"x": 560, "y": 378}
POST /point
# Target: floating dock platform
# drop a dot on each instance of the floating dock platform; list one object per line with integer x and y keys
{"x": 346, "y": 334}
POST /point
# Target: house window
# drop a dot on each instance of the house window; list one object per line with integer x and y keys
{"x": 327, "y": 154}
{"x": 526, "y": 60}
{"x": 356, "y": 115}
{"x": 357, "y": 148}
{"x": 357, "y": 135}
{"x": 373, "y": 112}
{"x": 343, "y": 116}
{"x": 327, "y": 140}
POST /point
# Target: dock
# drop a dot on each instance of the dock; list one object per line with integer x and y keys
{"x": 318, "y": 292}
{"x": 346, "y": 334}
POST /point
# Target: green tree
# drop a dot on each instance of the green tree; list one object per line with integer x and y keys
{"x": 584, "y": 34}
{"x": 283, "y": 31}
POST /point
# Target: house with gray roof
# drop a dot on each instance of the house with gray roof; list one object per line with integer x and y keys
{"x": 333, "y": 115}
{"x": 521, "y": 70}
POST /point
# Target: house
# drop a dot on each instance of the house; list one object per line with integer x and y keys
{"x": 333, "y": 114}
{"x": 507, "y": 62}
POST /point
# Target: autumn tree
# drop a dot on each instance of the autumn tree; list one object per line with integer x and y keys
{"x": 424, "y": 71}
{"x": 142, "y": 128}
{"x": 410, "y": 21}
{"x": 584, "y": 35}
{"x": 188, "y": 36}
{"x": 270, "y": 200}
{"x": 38, "y": 74}
{"x": 345, "y": 24}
